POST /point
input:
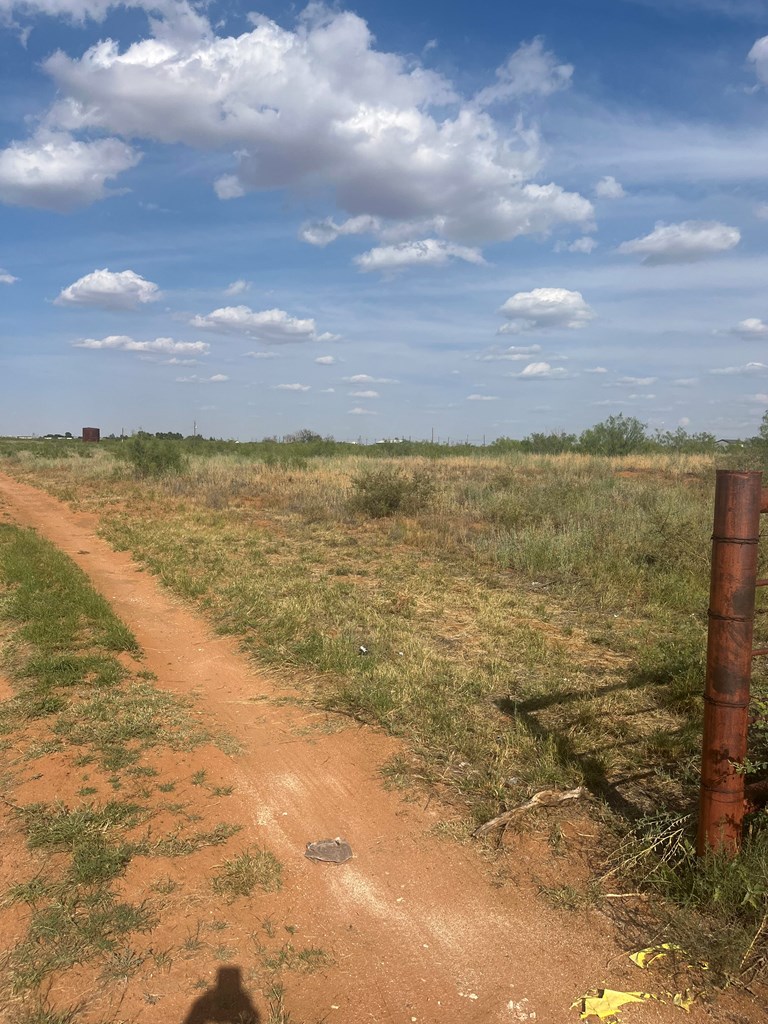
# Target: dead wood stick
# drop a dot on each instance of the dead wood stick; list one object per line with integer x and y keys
{"x": 546, "y": 798}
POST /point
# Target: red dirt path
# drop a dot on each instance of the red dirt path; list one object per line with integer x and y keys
{"x": 417, "y": 927}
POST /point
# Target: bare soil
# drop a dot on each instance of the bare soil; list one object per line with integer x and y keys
{"x": 419, "y": 928}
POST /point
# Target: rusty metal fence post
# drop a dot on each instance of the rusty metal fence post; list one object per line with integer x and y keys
{"x": 729, "y": 659}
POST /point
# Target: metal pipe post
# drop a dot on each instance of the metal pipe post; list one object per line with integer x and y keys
{"x": 729, "y": 659}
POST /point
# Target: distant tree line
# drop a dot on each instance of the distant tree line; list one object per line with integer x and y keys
{"x": 616, "y": 435}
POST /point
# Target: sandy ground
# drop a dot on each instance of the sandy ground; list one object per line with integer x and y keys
{"x": 421, "y": 929}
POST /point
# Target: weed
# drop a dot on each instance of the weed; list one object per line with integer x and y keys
{"x": 307, "y": 960}
{"x": 255, "y": 868}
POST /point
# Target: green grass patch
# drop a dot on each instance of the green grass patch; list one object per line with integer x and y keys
{"x": 252, "y": 869}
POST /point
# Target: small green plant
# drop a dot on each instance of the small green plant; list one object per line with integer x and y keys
{"x": 252, "y": 869}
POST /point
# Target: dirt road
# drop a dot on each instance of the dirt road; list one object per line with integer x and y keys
{"x": 417, "y": 929}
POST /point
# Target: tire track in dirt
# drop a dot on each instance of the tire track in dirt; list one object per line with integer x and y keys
{"x": 417, "y": 930}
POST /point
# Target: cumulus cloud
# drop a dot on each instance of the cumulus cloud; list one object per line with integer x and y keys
{"x": 747, "y": 369}
{"x": 6, "y": 278}
{"x": 515, "y": 353}
{"x": 752, "y": 327}
{"x": 326, "y": 360}
{"x": 237, "y": 287}
{"x": 633, "y": 382}
{"x": 273, "y": 326}
{"x": 482, "y": 398}
{"x": 529, "y": 71}
{"x": 609, "y": 188}
{"x": 217, "y": 378}
{"x": 584, "y": 245}
{"x": 363, "y": 394}
{"x": 323, "y": 232}
{"x": 179, "y": 19}
{"x": 291, "y": 387}
{"x": 320, "y": 105}
{"x": 365, "y": 378}
{"x": 429, "y": 252}
{"x": 758, "y": 55}
{"x": 683, "y": 243}
{"x": 545, "y": 308}
{"x": 597, "y": 369}
{"x": 53, "y": 171}
{"x": 261, "y": 355}
{"x": 107, "y": 290}
{"x": 124, "y": 343}
{"x": 540, "y": 371}
{"x": 359, "y": 411}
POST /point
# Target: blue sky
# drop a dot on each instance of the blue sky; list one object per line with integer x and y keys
{"x": 382, "y": 220}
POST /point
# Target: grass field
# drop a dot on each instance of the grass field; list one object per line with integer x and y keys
{"x": 527, "y": 622}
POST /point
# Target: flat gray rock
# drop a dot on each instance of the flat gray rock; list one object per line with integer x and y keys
{"x": 332, "y": 851}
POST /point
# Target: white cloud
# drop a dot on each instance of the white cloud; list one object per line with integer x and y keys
{"x": 752, "y": 327}
{"x": 761, "y": 211}
{"x": 761, "y": 399}
{"x": 683, "y": 243}
{"x": 180, "y": 20}
{"x": 540, "y": 371}
{"x": 326, "y": 360}
{"x": 529, "y": 71}
{"x": 272, "y": 326}
{"x": 747, "y": 369}
{"x": 237, "y": 287}
{"x": 321, "y": 106}
{"x": 6, "y": 278}
{"x": 291, "y": 387}
{"x": 482, "y": 398}
{"x": 633, "y": 382}
{"x": 758, "y": 55}
{"x": 597, "y": 369}
{"x": 609, "y": 188}
{"x": 107, "y": 290}
{"x": 363, "y": 394}
{"x": 364, "y": 378}
{"x": 326, "y": 391}
{"x": 217, "y": 378}
{"x": 545, "y": 308}
{"x": 584, "y": 245}
{"x": 323, "y": 232}
{"x": 686, "y": 382}
{"x": 53, "y": 171}
{"x": 359, "y": 411}
{"x": 515, "y": 353}
{"x": 428, "y": 252}
{"x": 124, "y": 343}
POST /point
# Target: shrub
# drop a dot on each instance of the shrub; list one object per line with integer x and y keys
{"x": 152, "y": 457}
{"x": 386, "y": 490}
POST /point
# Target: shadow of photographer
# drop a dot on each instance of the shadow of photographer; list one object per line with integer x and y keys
{"x": 227, "y": 1002}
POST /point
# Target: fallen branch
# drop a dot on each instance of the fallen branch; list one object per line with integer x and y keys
{"x": 546, "y": 798}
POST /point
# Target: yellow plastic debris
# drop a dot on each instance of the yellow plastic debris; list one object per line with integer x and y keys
{"x": 607, "y": 1003}
{"x": 684, "y": 1000}
{"x": 645, "y": 957}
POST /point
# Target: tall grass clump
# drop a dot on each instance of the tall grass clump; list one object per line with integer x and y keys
{"x": 714, "y": 907}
